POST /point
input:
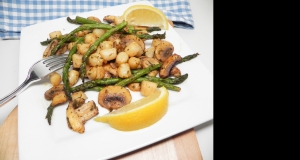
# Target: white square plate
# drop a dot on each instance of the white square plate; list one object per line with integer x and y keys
{"x": 192, "y": 106}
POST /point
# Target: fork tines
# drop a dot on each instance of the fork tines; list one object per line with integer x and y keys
{"x": 55, "y": 62}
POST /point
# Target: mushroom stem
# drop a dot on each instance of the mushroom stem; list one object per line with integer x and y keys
{"x": 76, "y": 118}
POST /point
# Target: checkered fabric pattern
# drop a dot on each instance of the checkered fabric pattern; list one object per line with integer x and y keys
{"x": 16, "y": 14}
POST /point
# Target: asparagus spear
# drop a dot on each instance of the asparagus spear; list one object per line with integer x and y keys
{"x": 49, "y": 113}
{"x": 81, "y": 20}
{"x": 132, "y": 30}
{"x": 129, "y": 29}
{"x": 116, "y": 81}
{"x": 48, "y": 41}
{"x": 153, "y": 36}
{"x": 168, "y": 80}
{"x": 81, "y": 28}
{"x": 97, "y": 87}
{"x": 110, "y": 81}
{"x": 83, "y": 87}
{"x": 138, "y": 74}
{"x": 94, "y": 83}
{"x": 66, "y": 68}
{"x": 152, "y": 29}
{"x": 95, "y": 45}
{"x": 168, "y": 86}
{"x": 189, "y": 57}
{"x": 159, "y": 83}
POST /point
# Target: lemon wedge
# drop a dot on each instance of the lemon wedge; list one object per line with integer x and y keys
{"x": 145, "y": 15}
{"x": 139, "y": 114}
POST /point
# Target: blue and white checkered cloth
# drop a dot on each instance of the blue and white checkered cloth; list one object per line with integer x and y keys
{"x": 16, "y": 14}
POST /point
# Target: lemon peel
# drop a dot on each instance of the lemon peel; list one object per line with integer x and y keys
{"x": 139, "y": 114}
{"x": 145, "y": 15}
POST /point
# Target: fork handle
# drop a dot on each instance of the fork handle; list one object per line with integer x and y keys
{"x": 15, "y": 92}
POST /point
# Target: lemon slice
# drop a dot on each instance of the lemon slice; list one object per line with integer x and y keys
{"x": 145, "y": 15}
{"x": 139, "y": 114}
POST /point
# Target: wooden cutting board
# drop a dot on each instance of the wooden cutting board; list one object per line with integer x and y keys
{"x": 181, "y": 146}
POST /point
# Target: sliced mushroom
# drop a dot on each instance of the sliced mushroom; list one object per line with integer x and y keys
{"x": 49, "y": 48}
{"x": 50, "y": 93}
{"x": 73, "y": 119}
{"x": 114, "y": 97}
{"x": 62, "y": 49}
{"x": 175, "y": 71}
{"x": 146, "y": 62}
{"x": 164, "y": 50}
{"x": 87, "y": 111}
{"x": 168, "y": 65}
{"x": 76, "y": 118}
{"x": 111, "y": 68}
{"x": 108, "y": 75}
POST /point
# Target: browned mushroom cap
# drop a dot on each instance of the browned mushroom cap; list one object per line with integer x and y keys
{"x": 113, "y": 19}
{"x": 168, "y": 65}
{"x": 109, "y": 19}
{"x": 77, "y": 102}
{"x": 164, "y": 50}
{"x": 114, "y": 97}
{"x": 126, "y": 40}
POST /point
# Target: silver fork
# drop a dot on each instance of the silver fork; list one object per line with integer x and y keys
{"x": 37, "y": 72}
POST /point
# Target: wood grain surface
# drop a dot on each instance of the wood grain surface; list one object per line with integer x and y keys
{"x": 181, "y": 146}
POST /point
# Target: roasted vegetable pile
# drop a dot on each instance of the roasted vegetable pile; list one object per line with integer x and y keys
{"x": 111, "y": 58}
